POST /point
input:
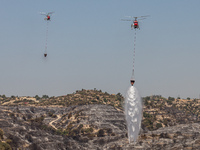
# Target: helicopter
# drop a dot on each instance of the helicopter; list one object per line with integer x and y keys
{"x": 47, "y": 18}
{"x": 47, "y": 15}
{"x": 135, "y": 24}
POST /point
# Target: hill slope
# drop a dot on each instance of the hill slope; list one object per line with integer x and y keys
{"x": 92, "y": 119}
{"x": 86, "y": 127}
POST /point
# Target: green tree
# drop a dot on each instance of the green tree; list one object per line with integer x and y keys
{"x": 3, "y": 96}
{"x": 37, "y": 97}
{"x": 12, "y": 96}
{"x": 171, "y": 98}
{"x": 119, "y": 97}
{"x": 45, "y": 96}
{"x": 105, "y": 100}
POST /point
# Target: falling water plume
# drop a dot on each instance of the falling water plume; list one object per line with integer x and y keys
{"x": 133, "y": 113}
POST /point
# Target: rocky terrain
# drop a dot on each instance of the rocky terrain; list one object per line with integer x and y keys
{"x": 92, "y": 127}
{"x": 91, "y": 119}
{"x": 80, "y": 97}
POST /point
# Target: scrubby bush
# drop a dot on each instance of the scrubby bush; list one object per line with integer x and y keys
{"x": 80, "y": 126}
{"x": 1, "y": 133}
{"x": 4, "y": 146}
{"x": 100, "y": 133}
{"x": 158, "y": 125}
{"x": 70, "y": 115}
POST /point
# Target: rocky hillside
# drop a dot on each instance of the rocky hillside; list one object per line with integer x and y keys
{"x": 80, "y": 97}
{"x": 161, "y": 112}
{"x": 86, "y": 127}
{"x": 158, "y": 111}
{"x": 92, "y": 119}
{"x": 82, "y": 126}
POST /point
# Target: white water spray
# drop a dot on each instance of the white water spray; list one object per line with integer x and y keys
{"x": 133, "y": 113}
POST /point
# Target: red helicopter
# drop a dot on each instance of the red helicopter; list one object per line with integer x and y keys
{"x": 47, "y": 15}
{"x": 135, "y": 24}
{"x": 47, "y": 18}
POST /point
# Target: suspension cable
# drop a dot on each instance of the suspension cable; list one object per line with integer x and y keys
{"x": 134, "y": 53}
{"x": 46, "y": 37}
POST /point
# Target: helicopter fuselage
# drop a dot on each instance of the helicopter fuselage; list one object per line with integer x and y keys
{"x": 135, "y": 23}
{"x": 47, "y": 18}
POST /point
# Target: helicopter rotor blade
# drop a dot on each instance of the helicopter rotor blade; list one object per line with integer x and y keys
{"x": 137, "y": 17}
{"x": 131, "y": 17}
{"x": 128, "y": 16}
{"x": 42, "y": 13}
{"x": 50, "y": 13}
{"x": 144, "y": 16}
{"x": 126, "y": 20}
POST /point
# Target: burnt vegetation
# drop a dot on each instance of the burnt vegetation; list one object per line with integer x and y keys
{"x": 85, "y": 116}
{"x": 163, "y": 112}
{"x": 80, "y": 97}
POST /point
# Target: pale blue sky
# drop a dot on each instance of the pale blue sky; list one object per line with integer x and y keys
{"x": 89, "y": 47}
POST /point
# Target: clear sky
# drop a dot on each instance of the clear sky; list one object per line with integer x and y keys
{"x": 90, "y": 47}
